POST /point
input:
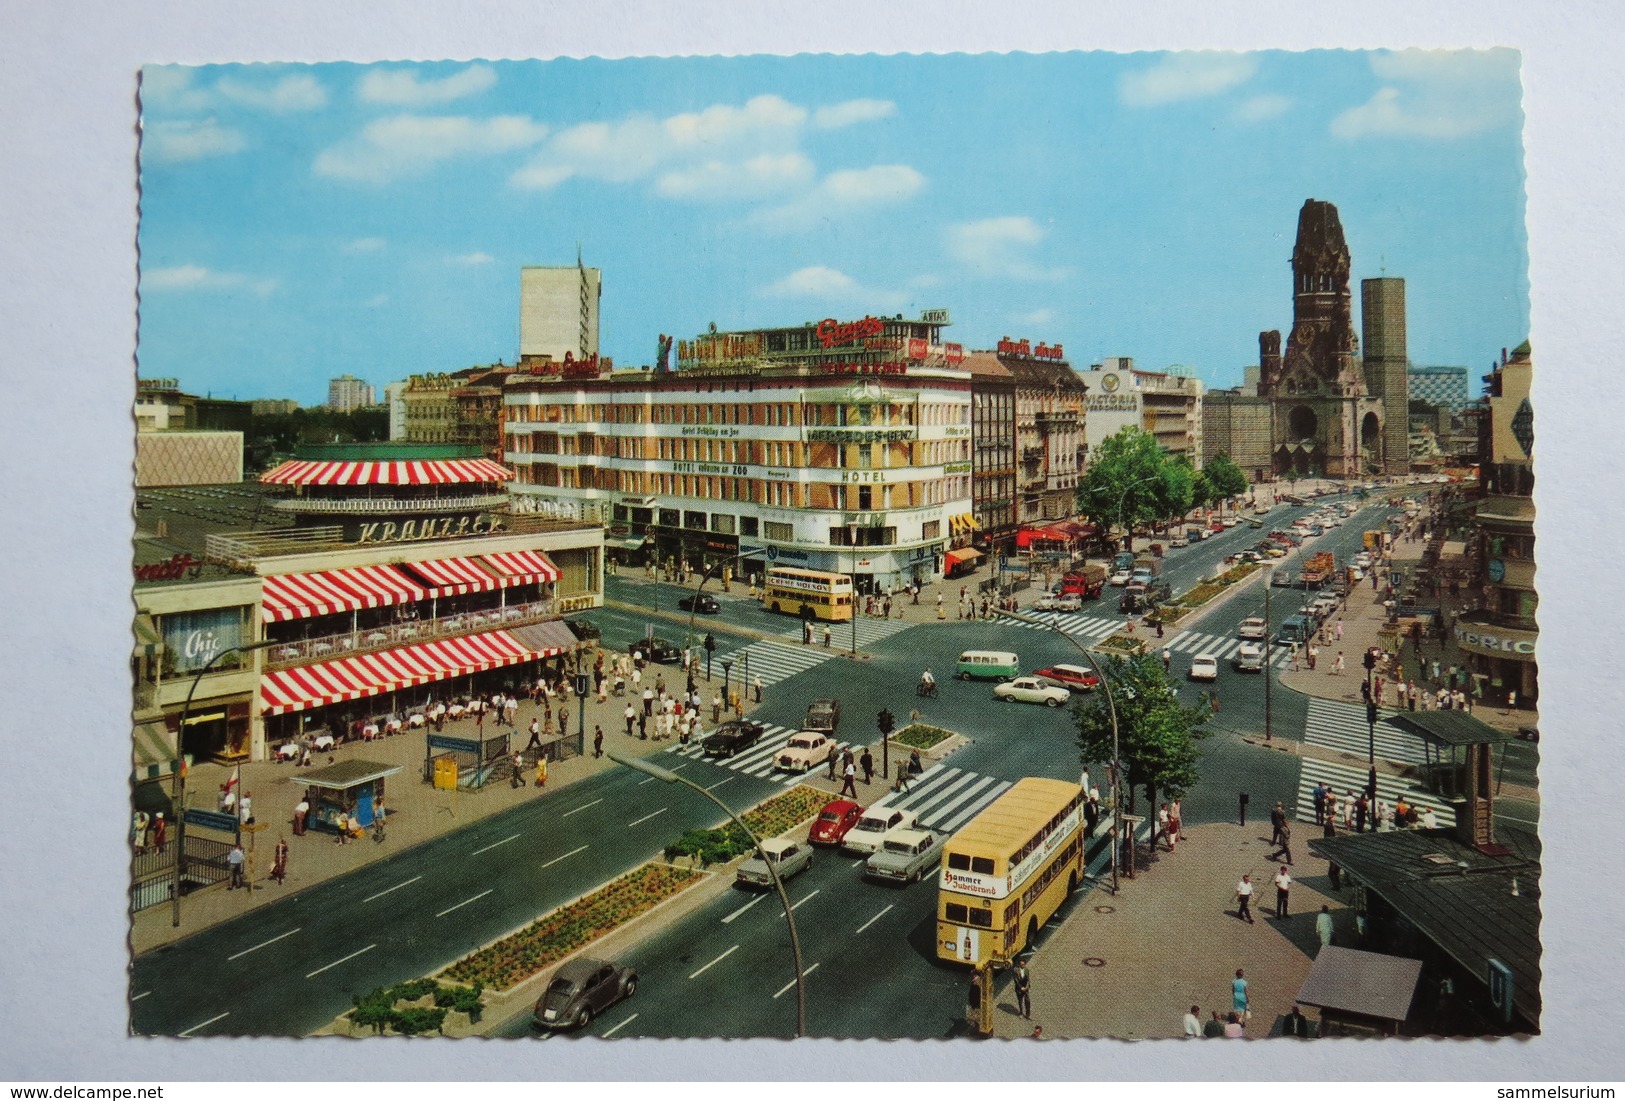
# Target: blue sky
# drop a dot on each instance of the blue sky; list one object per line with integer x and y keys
{"x": 301, "y": 222}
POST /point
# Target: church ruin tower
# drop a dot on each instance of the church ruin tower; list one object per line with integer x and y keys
{"x": 1382, "y": 306}
{"x": 1322, "y": 422}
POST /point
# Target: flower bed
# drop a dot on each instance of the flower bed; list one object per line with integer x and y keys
{"x": 1122, "y": 644}
{"x": 772, "y": 818}
{"x": 382, "y": 1009}
{"x": 921, "y": 736}
{"x": 549, "y": 939}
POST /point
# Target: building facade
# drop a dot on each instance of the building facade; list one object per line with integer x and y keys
{"x": 1237, "y": 424}
{"x": 1051, "y": 444}
{"x": 558, "y": 312}
{"x": 347, "y": 393}
{"x": 182, "y": 458}
{"x": 1382, "y": 309}
{"x": 395, "y": 402}
{"x": 834, "y": 446}
{"x": 1444, "y": 386}
{"x": 1165, "y": 405}
{"x": 993, "y": 451}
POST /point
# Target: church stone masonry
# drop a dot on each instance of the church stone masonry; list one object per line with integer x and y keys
{"x": 1327, "y": 408}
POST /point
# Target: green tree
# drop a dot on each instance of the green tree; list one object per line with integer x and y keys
{"x": 1125, "y": 484}
{"x": 1224, "y": 478}
{"x": 1158, "y": 735}
{"x": 1178, "y": 489}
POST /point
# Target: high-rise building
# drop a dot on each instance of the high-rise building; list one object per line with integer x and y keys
{"x": 1446, "y": 386}
{"x": 395, "y": 402}
{"x": 1382, "y": 306}
{"x": 347, "y": 393}
{"x": 558, "y": 312}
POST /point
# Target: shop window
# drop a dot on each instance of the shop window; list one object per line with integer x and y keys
{"x": 695, "y": 520}
{"x": 668, "y": 517}
{"x": 748, "y": 525}
{"x": 782, "y": 533}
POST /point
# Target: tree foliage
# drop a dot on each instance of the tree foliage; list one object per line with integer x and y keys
{"x": 1158, "y": 735}
{"x": 1125, "y": 484}
{"x": 275, "y": 435}
{"x": 1225, "y": 477}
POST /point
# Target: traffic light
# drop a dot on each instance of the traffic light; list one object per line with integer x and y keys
{"x": 1370, "y": 660}
{"x": 885, "y": 722}
{"x": 1371, "y": 712}
{"x": 710, "y": 643}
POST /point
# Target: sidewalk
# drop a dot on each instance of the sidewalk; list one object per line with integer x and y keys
{"x": 1129, "y": 967}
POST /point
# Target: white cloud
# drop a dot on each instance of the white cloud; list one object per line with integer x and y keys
{"x": 294, "y": 92}
{"x": 410, "y": 145}
{"x": 1262, "y": 108}
{"x": 813, "y": 282}
{"x": 377, "y": 300}
{"x": 1035, "y": 317}
{"x": 853, "y": 111}
{"x": 1182, "y": 76}
{"x": 844, "y": 191}
{"x": 170, "y": 88}
{"x": 1000, "y": 247}
{"x": 768, "y": 174}
{"x": 1436, "y": 94}
{"x": 471, "y": 259}
{"x": 188, "y": 140}
{"x": 404, "y": 88}
{"x": 366, "y": 244}
{"x": 195, "y": 277}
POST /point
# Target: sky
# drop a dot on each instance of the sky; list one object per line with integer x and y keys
{"x": 299, "y": 222}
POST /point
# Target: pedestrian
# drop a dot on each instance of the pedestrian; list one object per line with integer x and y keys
{"x": 826, "y": 636}
{"x": 886, "y": 607}
{"x": 597, "y": 740}
{"x": 1319, "y": 797}
{"x": 716, "y": 708}
{"x": 1314, "y": 654}
{"x": 643, "y": 728}
{"x": 343, "y": 825}
{"x": 1362, "y": 809}
{"x": 756, "y": 685}
{"x": 1193, "y": 1023}
{"x": 1284, "y": 851}
{"x": 1024, "y": 989}
{"x": 1162, "y": 827}
{"x": 160, "y": 831}
{"x": 1338, "y": 631}
{"x": 648, "y": 701}
{"x": 1233, "y": 1027}
{"x": 848, "y": 780}
{"x": 1296, "y": 1024}
{"x": 1244, "y": 899}
{"x": 1323, "y": 925}
{"x": 279, "y": 862}
{"x": 1213, "y": 1028}
{"x": 1277, "y": 821}
{"x": 535, "y": 735}
{"x": 235, "y": 858}
{"x": 541, "y": 772}
{"x": 806, "y": 634}
{"x": 1238, "y": 997}
{"x": 867, "y": 762}
{"x": 1347, "y": 805}
{"x": 1242, "y": 801}
{"x": 834, "y": 761}
{"x": 301, "y": 813}
{"x": 1337, "y": 666}
{"x": 1283, "y": 887}
{"x": 1176, "y": 824}
{"x": 630, "y": 714}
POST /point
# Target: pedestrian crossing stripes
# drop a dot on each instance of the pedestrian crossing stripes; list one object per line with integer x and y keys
{"x": 1223, "y": 647}
{"x": 945, "y": 798}
{"x": 1073, "y": 623}
{"x": 1343, "y": 727}
{"x": 1343, "y": 779}
{"x": 773, "y": 661}
{"x": 869, "y": 631}
{"x": 758, "y": 760}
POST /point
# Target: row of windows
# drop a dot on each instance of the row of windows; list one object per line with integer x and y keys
{"x": 765, "y": 414}
{"x": 775, "y": 494}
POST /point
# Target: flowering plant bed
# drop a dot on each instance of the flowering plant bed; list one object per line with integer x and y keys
{"x": 383, "y": 1009}
{"x": 921, "y": 736}
{"x": 554, "y": 936}
{"x": 768, "y": 820}
{"x": 1121, "y": 644}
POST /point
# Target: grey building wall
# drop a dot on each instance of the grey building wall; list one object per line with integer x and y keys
{"x": 1382, "y": 304}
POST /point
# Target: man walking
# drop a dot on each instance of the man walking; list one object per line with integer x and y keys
{"x": 1244, "y": 899}
{"x": 1323, "y": 925}
{"x": 1283, "y": 851}
{"x": 648, "y": 701}
{"x": 1319, "y": 797}
{"x": 1277, "y": 820}
{"x": 597, "y": 740}
{"x": 834, "y": 761}
{"x": 849, "y": 777}
{"x": 1024, "y": 989}
{"x": 1283, "y": 886}
{"x": 631, "y": 715}
{"x": 867, "y": 761}
{"x": 235, "y": 858}
{"x": 756, "y": 685}
{"x": 536, "y": 735}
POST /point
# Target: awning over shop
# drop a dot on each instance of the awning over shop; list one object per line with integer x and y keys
{"x": 404, "y": 473}
{"x": 1028, "y": 536}
{"x": 546, "y": 639}
{"x": 154, "y": 749}
{"x": 302, "y": 595}
{"x": 961, "y": 555}
{"x": 521, "y": 567}
{"x": 455, "y": 576}
{"x": 1364, "y": 984}
{"x": 633, "y": 544}
{"x": 361, "y": 675}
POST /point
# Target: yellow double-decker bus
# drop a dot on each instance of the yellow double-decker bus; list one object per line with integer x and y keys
{"x": 1008, "y": 870}
{"x": 789, "y": 590}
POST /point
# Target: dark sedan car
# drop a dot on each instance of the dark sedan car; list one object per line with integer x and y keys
{"x": 705, "y": 604}
{"x": 657, "y": 650}
{"x": 731, "y": 737}
{"x": 580, "y": 990}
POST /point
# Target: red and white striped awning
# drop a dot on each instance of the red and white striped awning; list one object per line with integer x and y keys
{"x": 352, "y": 678}
{"x": 302, "y": 595}
{"x": 455, "y": 576}
{"x": 414, "y": 472}
{"x": 522, "y": 567}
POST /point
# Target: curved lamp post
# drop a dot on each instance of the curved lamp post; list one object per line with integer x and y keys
{"x": 1111, "y": 709}
{"x": 179, "y": 787}
{"x": 638, "y": 764}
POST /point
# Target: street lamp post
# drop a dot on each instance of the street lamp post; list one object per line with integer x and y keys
{"x": 666, "y": 775}
{"x": 1111, "y": 710}
{"x": 1269, "y": 670}
{"x": 178, "y": 789}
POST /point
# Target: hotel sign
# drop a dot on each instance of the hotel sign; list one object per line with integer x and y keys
{"x": 888, "y": 368}
{"x": 733, "y": 470}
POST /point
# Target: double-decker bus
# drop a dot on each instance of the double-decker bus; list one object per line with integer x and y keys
{"x": 791, "y": 590}
{"x": 1008, "y": 870}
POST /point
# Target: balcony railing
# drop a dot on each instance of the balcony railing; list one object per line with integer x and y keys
{"x": 392, "y": 504}
{"x": 366, "y": 640}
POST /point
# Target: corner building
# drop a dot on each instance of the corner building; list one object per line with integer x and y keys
{"x": 842, "y": 446}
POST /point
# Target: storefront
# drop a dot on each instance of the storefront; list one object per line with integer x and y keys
{"x": 1500, "y": 657}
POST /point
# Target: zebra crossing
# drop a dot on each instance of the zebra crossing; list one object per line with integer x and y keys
{"x": 773, "y": 661}
{"x": 1343, "y": 727}
{"x": 1343, "y": 779}
{"x": 1095, "y": 628}
{"x": 758, "y": 760}
{"x": 1223, "y": 647}
{"x": 945, "y": 798}
{"x": 870, "y": 630}
{"x": 1072, "y": 623}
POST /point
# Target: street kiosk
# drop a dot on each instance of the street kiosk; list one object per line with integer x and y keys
{"x": 353, "y": 788}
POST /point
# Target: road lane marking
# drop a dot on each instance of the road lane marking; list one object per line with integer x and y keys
{"x": 707, "y": 967}
{"x": 494, "y": 844}
{"x": 335, "y": 963}
{"x": 141, "y": 995}
{"x": 581, "y": 808}
{"x": 874, "y": 919}
{"x": 210, "y": 1021}
{"x": 719, "y": 783}
{"x": 646, "y": 817}
{"x": 652, "y": 779}
{"x": 617, "y": 1028}
{"x": 572, "y": 852}
{"x": 465, "y": 902}
{"x": 262, "y": 944}
{"x": 729, "y": 919}
{"x": 398, "y": 886}
{"x": 797, "y": 905}
{"x": 792, "y": 982}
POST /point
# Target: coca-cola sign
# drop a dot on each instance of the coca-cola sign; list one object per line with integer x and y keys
{"x": 833, "y": 333}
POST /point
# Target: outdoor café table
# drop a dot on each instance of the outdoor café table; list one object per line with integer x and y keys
{"x": 323, "y": 741}
{"x": 455, "y": 711}
{"x": 393, "y": 726}
{"x": 288, "y": 752}
{"x": 323, "y": 648}
{"x": 414, "y": 720}
{"x": 378, "y": 636}
{"x": 288, "y": 653}
{"x": 370, "y": 731}
{"x": 439, "y": 710}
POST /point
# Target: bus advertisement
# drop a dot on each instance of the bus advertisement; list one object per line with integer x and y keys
{"x": 793, "y": 591}
{"x": 1008, "y": 870}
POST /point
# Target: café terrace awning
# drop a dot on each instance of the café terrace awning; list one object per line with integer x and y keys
{"x": 399, "y": 473}
{"x": 522, "y": 567}
{"x": 361, "y": 675}
{"x": 455, "y": 576}
{"x": 303, "y": 595}
{"x": 959, "y": 555}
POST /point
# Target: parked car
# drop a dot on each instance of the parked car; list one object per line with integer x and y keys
{"x": 1231, "y": 521}
{"x": 904, "y": 856}
{"x": 788, "y": 858}
{"x": 1120, "y": 577}
{"x": 1179, "y": 541}
{"x": 1031, "y": 690}
{"x": 805, "y": 749}
{"x": 657, "y": 650}
{"x": 731, "y": 737}
{"x": 704, "y": 603}
{"x": 1205, "y": 667}
{"x": 834, "y": 822}
{"x": 824, "y": 714}
{"x": 1047, "y": 603}
{"x": 584, "y": 629}
{"x": 1254, "y": 626}
{"x": 877, "y": 824}
{"x": 581, "y": 989}
{"x": 1249, "y": 658}
{"x": 1074, "y": 677}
